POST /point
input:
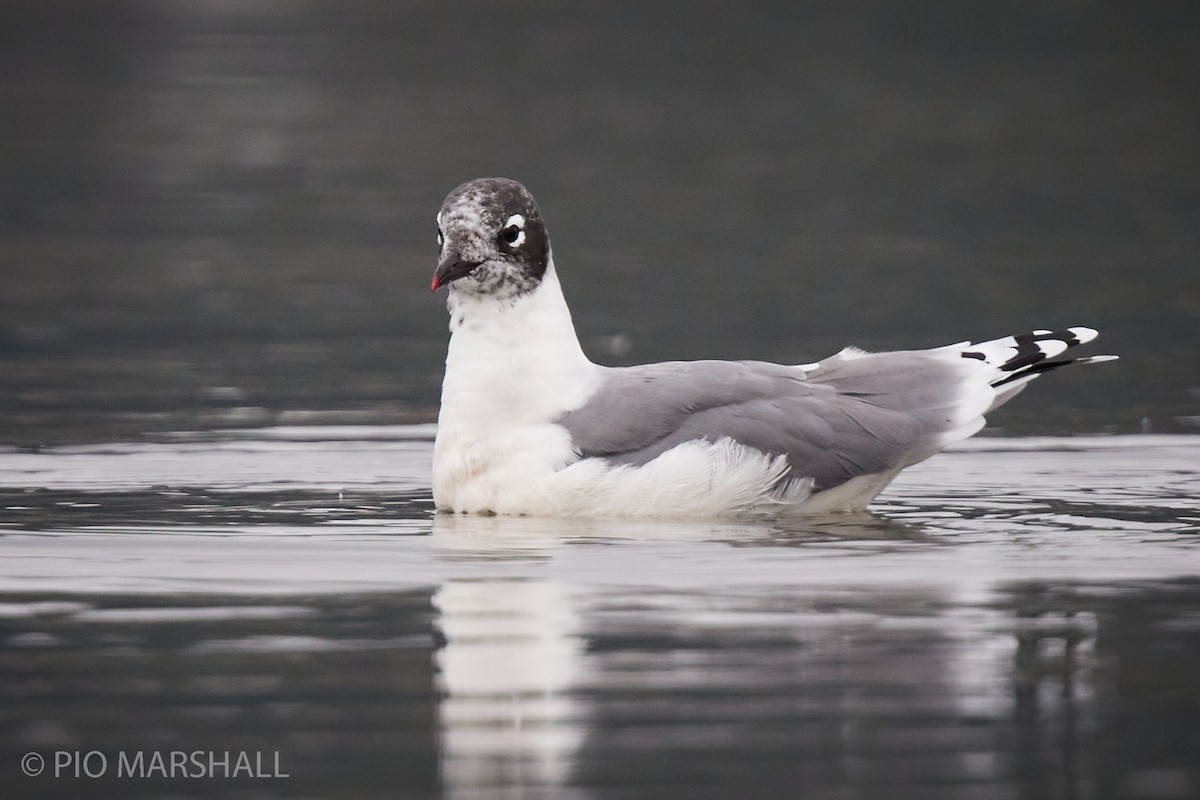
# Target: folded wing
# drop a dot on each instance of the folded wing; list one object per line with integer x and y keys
{"x": 851, "y": 415}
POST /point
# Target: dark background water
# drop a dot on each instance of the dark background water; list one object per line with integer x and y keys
{"x": 217, "y": 214}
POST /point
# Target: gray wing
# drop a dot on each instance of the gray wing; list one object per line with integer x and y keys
{"x": 845, "y": 418}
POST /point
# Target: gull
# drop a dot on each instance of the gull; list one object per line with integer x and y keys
{"x": 529, "y": 425}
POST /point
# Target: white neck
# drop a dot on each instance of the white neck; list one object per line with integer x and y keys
{"x": 514, "y": 361}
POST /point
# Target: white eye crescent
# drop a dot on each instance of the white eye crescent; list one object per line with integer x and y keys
{"x": 513, "y": 232}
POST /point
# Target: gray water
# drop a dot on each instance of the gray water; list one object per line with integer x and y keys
{"x": 1016, "y": 618}
{"x": 218, "y": 215}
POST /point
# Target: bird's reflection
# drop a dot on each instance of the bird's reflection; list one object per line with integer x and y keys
{"x": 564, "y": 665}
{"x": 494, "y": 538}
{"x": 511, "y": 650}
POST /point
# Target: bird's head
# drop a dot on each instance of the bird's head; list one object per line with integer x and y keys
{"x": 491, "y": 240}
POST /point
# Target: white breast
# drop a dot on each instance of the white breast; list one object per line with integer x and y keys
{"x": 511, "y": 369}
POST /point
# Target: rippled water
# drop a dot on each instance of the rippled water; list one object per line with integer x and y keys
{"x": 1017, "y": 618}
{"x": 219, "y": 214}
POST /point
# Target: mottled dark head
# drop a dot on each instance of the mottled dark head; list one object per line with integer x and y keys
{"x": 491, "y": 239}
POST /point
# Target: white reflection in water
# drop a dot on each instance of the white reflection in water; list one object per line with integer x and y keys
{"x": 511, "y": 651}
{"x": 540, "y": 679}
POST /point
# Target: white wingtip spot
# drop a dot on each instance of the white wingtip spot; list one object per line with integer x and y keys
{"x": 1052, "y": 347}
{"x": 1084, "y": 335}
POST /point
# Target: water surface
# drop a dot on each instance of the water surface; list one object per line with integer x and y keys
{"x": 220, "y": 215}
{"x": 1016, "y": 618}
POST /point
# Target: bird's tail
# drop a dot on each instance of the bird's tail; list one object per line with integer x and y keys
{"x": 1017, "y": 360}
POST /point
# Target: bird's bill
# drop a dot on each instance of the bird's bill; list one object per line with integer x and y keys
{"x": 451, "y": 268}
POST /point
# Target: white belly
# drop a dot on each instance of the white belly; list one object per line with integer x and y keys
{"x": 504, "y": 473}
{"x": 532, "y": 472}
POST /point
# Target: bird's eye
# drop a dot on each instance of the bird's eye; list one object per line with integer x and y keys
{"x": 513, "y": 232}
{"x": 440, "y": 237}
